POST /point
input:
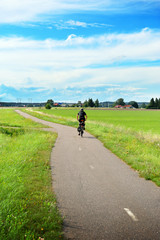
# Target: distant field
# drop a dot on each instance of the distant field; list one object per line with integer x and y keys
{"x": 133, "y": 135}
{"x": 145, "y": 120}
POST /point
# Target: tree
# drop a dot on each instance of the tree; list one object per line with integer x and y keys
{"x": 159, "y": 103}
{"x": 156, "y": 103}
{"x": 85, "y": 104}
{"x": 134, "y": 104}
{"x": 30, "y": 105}
{"x": 151, "y": 104}
{"x": 119, "y": 101}
{"x": 51, "y": 102}
{"x": 48, "y": 106}
{"x": 90, "y": 102}
{"x": 79, "y": 104}
{"x": 143, "y": 105}
{"x": 96, "y": 103}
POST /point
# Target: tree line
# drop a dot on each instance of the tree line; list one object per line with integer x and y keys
{"x": 154, "y": 104}
{"x": 91, "y": 103}
{"x": 87, "y": 103}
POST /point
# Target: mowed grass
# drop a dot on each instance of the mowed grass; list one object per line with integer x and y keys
{"x": 27, "y": 203}
{"x": 134, "y": 136}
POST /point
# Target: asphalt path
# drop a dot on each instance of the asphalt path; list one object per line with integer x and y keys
{"x": 100, "y": 196}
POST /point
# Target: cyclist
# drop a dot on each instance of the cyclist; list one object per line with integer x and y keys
{"x": 81, "y": 117}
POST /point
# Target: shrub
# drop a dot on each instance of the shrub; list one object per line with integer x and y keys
{"x": 48, "y": 106}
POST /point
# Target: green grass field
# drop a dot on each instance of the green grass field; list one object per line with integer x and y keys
{"x": 146, "y": 121}
{"x": 27, "y": 203}
{"x": 134, "y": 136}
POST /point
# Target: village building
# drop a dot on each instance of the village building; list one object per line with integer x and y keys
{"x": 124, "y": 107}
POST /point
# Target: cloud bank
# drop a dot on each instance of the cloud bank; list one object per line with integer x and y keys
{"x": 76, "y": 62}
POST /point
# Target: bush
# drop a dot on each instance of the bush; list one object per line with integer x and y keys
{"x": 48, "y": 106}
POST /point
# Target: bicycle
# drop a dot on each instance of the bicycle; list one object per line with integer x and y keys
{"x": 81, "y": 127}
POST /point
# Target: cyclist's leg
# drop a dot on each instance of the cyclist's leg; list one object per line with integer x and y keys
{"x": 84, "y": 125}
{"x": 79, "y": 128}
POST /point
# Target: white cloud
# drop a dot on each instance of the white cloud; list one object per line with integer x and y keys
{"x": 79, "y": 61}
{"x": 2, "y": 95}
{"x": 14, "y": 11}
{"x": 140, "y": 45}
{"x": 72, "y": 24}
{"x": 76, "y": 23}
{"x": 124, "y": 89}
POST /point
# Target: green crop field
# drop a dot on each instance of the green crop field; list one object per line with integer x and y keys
{"x": 146, "y": 121}
{"x": 133, "y": 135}
{"x": 27, "y": 204}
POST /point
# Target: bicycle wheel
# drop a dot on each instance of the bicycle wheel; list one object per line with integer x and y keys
{"x": 81, "y": 132}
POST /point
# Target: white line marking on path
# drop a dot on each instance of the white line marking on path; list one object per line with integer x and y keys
{"x": 134, "y": 218}
{"x": 92, "y": 167}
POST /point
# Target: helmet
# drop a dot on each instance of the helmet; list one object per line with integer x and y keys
{"x": 81, "y": 109}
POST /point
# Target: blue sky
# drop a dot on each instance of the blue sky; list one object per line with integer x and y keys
{"x": 71, "y": 50}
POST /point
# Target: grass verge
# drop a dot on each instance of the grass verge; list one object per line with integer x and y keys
{"x": 132, "y": 147}
{"x": 28, "y": 208}
{"x": 138, "y": 149}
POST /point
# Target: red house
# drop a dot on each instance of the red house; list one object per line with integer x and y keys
{"x": 125, "y": 106}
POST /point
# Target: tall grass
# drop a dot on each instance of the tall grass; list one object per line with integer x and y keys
{"x": 27, "y": 204}
{"x": 134, "y": 136}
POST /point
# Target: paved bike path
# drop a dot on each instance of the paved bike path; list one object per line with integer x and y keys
{"x": 100, "y": 196}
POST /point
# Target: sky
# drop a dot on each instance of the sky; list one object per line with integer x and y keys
{"x": 73, "y": 50}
